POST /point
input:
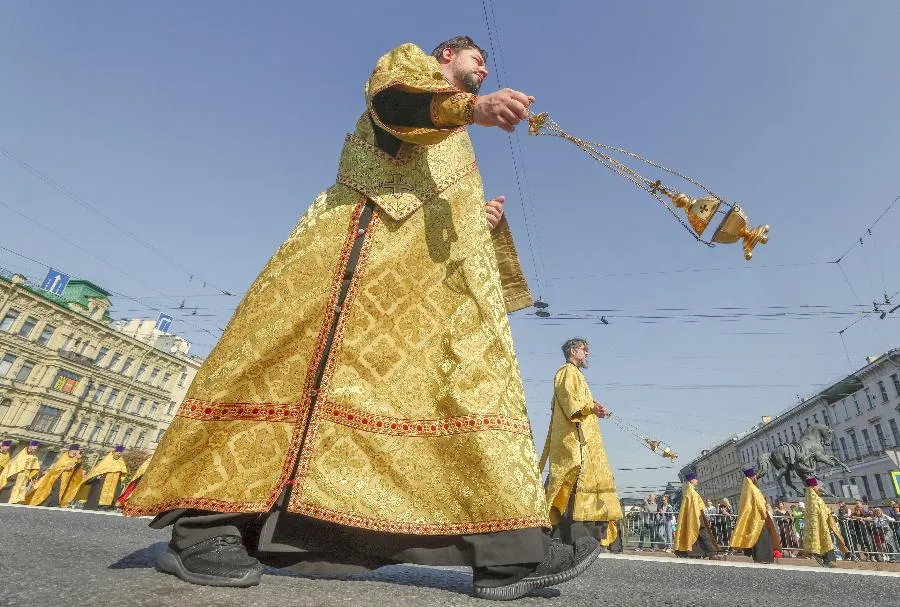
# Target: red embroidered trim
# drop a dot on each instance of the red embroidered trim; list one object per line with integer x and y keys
{"x": 210, "y": 411}
{"x": 318, "y": 352}
{"x": 353, "y": 520}
{"x": 361, "y": 263}
{"x": 195, "y": 503}
{"x": 396, "y": 426}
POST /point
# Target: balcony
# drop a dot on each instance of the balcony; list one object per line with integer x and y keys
{"x": 74, "y": 357}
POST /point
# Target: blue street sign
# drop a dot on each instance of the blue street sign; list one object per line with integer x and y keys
{"x": 55, "y": 282}
{"x": 164, "y": 322}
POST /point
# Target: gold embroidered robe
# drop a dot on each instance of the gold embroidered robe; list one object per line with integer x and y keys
{"x": 574, "y": 448}
{"x": 4, "y": 459}
{"x": 112, "y": 469}
{"x": 820, "y": 523}
{"x": 24, "y": 467}
{"x": 753, "y": 518}
{"x": 689, "y": 522}
{"x": 418, "y": 424}
{"x": 68, "y": 471}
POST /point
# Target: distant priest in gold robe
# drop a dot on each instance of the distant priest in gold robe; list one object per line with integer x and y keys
{"x": 581, "y": 490}
{"x": 133, "y": 483}
{"x": 102, "y": 486}
{"x": 15, "y": 478}
{"x": 5, "y": 446}
{"x": 820, "y": 525}
{"x": 59, "y": 485}
{"x": 365, "y": 397}
{"x": 755, "y": 531}
{"x": 693, "y": 537}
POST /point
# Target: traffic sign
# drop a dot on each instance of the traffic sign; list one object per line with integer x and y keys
{"x": 163, "y": 322}
{"x": 55, "y": 282}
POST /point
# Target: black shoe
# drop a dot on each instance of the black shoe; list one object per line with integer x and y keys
{"x": 561, "y": 564}
{"x": 218, "y": 561}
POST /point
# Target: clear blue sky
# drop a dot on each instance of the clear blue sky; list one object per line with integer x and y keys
{"x": 206, "y": 128}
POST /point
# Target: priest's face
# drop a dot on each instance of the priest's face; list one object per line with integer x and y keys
{"x": 579, "y": 356}
{"x": 4, "y": 448}
{"x": 74, "y": 453}
{"x": 31, "y": 448}
{"x": 465, "y": 69}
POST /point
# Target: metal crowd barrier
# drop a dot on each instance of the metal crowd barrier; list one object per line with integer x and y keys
{"x": 868, "y": 539}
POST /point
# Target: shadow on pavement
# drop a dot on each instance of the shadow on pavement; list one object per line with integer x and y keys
{"x": 145, "y": 558}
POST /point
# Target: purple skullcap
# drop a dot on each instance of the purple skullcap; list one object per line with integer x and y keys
{"x": 34, "y": 443}
{"x": 6, "y": 443}
{"x": 690, "y": 476}
{"x": 74, "y": 447}
{"x": 812, "y": 482}
{"x": 120, "y": 448}
{"x": 749, "y": 472}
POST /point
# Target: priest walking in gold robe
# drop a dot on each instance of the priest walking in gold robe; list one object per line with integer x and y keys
{"x": 59, "y": 485}
{"x": 102, "y": 486}
{"x": 5, "y": 446}
{"x": 693, "y": 537}
{"x": 755, "y": 531}
{"x": 820, "y": 524}
{"x": 364, "y": 406}
{"x": 581, "y": 490}
{"x": 15, "y": 478}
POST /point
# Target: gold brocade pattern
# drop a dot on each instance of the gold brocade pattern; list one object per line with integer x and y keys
{"x": 575, "y": 450}
{"x": 452, "y": 109}
{"x": 753, "y": 518}
{"x": 111, "y": 468}
{"x": 421, "y": 338}
{"x": 819, "y": 524}
{"x": 68, "y": 471}
{"x": 24, "y": 466}
{"x": 688, "y": 528}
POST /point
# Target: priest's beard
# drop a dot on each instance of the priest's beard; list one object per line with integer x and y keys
{"x": 470, "y": 82}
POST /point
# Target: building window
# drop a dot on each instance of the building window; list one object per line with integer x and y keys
{"x": 152, "y": 412}
{"x": 84, "y": 347}
{"x": 126, "y": 404}
{"x": 165, "y": 381}
{"x": 5, "y": 364}
{"x": 879, "y": 434}
{"x": 45, "y": 419}
{"x": 855, "y": 442}
{"x": 5, "y": 405}
{"x": 8, "y": 320}
{"x": 113, "y": 361}
{"x": 831, "y": 486}
{"x": 153, "y": 375}
{"x": 869, "y": 398}
{"x": 844, "y": 449}
{"x": 126, "y": 365}
{"x": 880, "y": 485}
{"x": 127, "y": 436}
{"x": 159, "y": 434}
{"x": 183, "y": 379}
{"x": 65, "y": 381}
{"x": 140, "y": 440}
{"x": 171, "y": 408}
{"x": 896, "y": 381}
{"x": 140, "y": 372}
{"x": 82, "y": 428}
{"x": 868, "y": 496}
{"x": 895, "y": 432}
{"x": 815, "y": 418}
{"x": 827, "y": 420}
{"x": 24, "y": 371}
{"x": 793, "y": 434}
{"x": 140, "y": 407}
{"x": 46, "y": 334}
{"x": 856, "y": 402}
{"x": 101, "y": 355}
{"x": 867, "y": 440}
{"x": 112, "y": 398}
{"x": 95, "y": 432}
{"x": 111, "y": 434}
{"x": 27, "y": 327}
{"x": 98, "y": 393}
{"x": 883, "y": 390}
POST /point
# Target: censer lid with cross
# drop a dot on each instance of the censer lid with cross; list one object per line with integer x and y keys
{"x": 700, "y": 211}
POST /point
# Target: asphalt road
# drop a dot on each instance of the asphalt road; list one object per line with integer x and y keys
{"x": 71, "y": 558}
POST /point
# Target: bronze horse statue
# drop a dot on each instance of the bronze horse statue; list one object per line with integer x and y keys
{"x": 800, "y": 457}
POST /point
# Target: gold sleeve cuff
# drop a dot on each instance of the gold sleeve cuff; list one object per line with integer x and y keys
{"x": 452, "y": 109}
{"x": 587, "y": 410}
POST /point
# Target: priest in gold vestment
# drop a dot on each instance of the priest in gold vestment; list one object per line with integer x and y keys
{"x": 17, "y": 474}
{"x": 133, "y": 483}
{"x": 5, "y": 446}
{"x": 364, "y": 405}
{"x": 693, "y": 537}
{"x": 581, "y": 490}
{"x": 755, "y": 531}
{"x": 103, "y": 484}
{"x": 59, "y": 485}
{"x": 820, "y": 524}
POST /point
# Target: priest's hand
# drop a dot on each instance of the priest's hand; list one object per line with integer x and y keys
{"x": 494, "y": 210}
{"x": 504, "y": 108}
{"x": 600, "y": 410}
